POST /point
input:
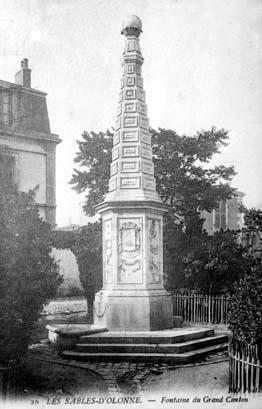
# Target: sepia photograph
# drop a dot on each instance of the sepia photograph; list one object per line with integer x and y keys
{"x": 131, "y": 204}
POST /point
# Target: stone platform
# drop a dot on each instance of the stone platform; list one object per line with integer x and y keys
{"x": 141, "y": 310}
{"x": 176, "y": 345}
{"x": 67, "y": 335}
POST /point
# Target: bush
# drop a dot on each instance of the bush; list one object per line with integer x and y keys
{"x": 28, "y": 274}
{"x": 245, "y": 315}
{"x": 208, "y": 264}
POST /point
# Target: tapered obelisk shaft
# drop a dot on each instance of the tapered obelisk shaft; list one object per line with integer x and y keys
{"x": 133, "y": 297}
{"x": 132, "y": 169}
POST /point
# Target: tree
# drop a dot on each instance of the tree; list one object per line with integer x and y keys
{"x": 182, "y": 182}
{"x": 252, "y": 232}
{"x": 95, "y": 157}
{"x": 86, "y": 245}
{"x": 186, "y": 184}
{"x": 253, "y": 221}
{"x": 216, "y": 262}
{"x": 28, "y": 274}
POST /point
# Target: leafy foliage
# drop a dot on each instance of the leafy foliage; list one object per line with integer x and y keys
{"x": 187, "y": 185}
{"x": 253, "y": 221}
{"x": 253, "y": 231}
{"x": 210, "y": 264}
{"x": 95, "y": 156}
{"x": 182, "y": 181}
{"x": 245, "y": 317}
{"x": 86, "y": 244}
{"x": 28, "y": 274}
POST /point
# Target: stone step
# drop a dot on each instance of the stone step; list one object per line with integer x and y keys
{"x": 67, "y": 335}
{"x": 152, "y": 337}
{"x": 151, "y": 348}
{"x": 142, "y": 357}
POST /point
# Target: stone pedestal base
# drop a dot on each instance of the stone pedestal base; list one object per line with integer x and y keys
{"x": 133, "y": 310}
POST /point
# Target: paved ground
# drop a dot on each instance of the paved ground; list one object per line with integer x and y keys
{"x": 210, "y": 375}
{"x": 156, "y": 385}
{"x": 125, "y": 377}
{"x": 131, "y": 378}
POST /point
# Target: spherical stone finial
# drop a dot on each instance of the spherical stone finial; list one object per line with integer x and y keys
{"x": 132, "y": 25}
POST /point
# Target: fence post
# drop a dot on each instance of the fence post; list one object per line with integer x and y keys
{"x": 248, "y": 387}
{"x": 222, "y": 309}
{"x": 244, "y": 368}
{"x": 201, "y": 308}
{"x": 229, "y": 369}
{"x": 252, "y": 371}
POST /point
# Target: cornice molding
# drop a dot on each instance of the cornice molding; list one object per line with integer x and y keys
{"x": 35, "y": 136}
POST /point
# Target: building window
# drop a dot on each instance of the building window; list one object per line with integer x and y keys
{"x": 7, "y": 169}
{"x": 220, "y": 216}
{"x": 4, "y": 107}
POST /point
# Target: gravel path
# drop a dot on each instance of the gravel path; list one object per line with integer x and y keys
{"x": 65, "y": 306}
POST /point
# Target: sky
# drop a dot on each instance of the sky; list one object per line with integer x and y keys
{"x": 202, "y": 68}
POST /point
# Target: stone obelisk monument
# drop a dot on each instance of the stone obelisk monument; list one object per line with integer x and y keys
{"x": 133, "y": 297}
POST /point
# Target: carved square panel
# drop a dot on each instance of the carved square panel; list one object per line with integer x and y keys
{"x": 130, "y": 107}
{"x": 130, "y": 121}
{"x": 146, "y": 151}
{"x": 130, "y": 81}
{"x": 112, "y": 184}
{"x": 143, "y": 122}
{"x": 119, "y": 110}
{"x": 116, "y": 138}
{"x": 130, "y": 182}
{"x": 141, "y": 94}
{"x": 130, "y": 94}
{"x": 145, "y": 136}
{"x": 139, "y": 82}
{"x": 154, "y": 252}
{"x": 130, "y": 68}
{"x": 130, "y": 136}
{"x": 107, "y": 251}
{"x": 149, "y": 183}
{"x": 130, "y": 167}
{"x": 130, "y": 151}
{"x": 142, "y": 108}
{"x": 148, "y": 168}
{"x": 115, "y": 153}
{"x": 130, "y": 244}
{"x": 138, "y": 69}
{"x": 114, "y": 168}
{"x": 118, "y": 123}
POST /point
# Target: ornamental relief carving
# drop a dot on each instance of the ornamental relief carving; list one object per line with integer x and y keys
{"x": 154, "y": 252}
{"x": 129, "y": 251}
{"x": 107, "y": 251}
